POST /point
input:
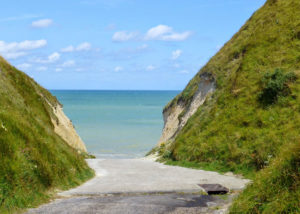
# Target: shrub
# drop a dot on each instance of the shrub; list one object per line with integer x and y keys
{"x": 275, "y": 84}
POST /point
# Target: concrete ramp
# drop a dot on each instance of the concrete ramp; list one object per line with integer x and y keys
{"x": 119, "y": 176}
{"x": 142, "y": 186}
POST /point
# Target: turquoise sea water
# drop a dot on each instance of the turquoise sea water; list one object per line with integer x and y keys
{"x": 116, "y": 124}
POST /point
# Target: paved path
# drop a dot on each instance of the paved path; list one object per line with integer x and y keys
{"x": 139, "y": 186}
{"x": 135, "y": 204}
{"x": 142, "y": 175}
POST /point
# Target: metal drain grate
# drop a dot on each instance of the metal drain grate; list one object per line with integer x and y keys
{"x": 214, "y": 189}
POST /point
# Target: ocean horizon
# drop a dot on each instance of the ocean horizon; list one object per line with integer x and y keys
{"x": 116, "y": 123}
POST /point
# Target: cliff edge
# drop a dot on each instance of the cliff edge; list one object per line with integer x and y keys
{"x": 176, "y": 115}
{"x": 40, "y": 150}
{"x": 65, "y": 129}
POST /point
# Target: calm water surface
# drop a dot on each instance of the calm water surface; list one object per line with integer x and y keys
{"x": 116, "y": 124}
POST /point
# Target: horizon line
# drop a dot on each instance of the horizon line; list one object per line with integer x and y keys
{"x": 114, "y": 89}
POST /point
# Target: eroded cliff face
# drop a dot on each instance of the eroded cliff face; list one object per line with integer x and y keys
{"x": 64, "y": 127}
{"x": 35, "y": 159}
{"x": 176, "y": 116}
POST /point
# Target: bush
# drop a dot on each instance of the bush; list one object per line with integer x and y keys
{"x": 275, "y": 84}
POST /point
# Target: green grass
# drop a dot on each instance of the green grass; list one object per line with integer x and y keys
{"x": 254, "y": 112}
{"x": 209, "y": 166}
{"x": 34, "y": 160}
{"x": 276, "y": 189}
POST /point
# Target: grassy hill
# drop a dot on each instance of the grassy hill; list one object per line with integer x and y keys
{"x": 251, "y": 123}
{"x": 34, "y": 160}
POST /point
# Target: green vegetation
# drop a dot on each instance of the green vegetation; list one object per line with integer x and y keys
{"x": 276, "y": 189}
{"x": 213, "y": 166}
{"x": 254, "y": 114}
{"x": 274, "y": 85}
{"x": 34, "y": 161}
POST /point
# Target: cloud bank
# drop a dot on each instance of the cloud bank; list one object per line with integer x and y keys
{"x": 14, "y": 50}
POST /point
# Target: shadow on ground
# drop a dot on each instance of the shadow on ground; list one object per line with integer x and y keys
{"x": 137, "y": 204}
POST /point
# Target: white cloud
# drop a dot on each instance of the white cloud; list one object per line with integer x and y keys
{"x": 42, "y": 68}
{"x": 15, "y": 47}
{"x": 53, "y": 57}
{"x": 184, "y": 71}
{"x": 68, "y": 63}
{"x": 29, "y": 45}
{"x": 118, "y": 68}
{"x": 14, "y": 50}
{"x": 50, "y": 59}
{"x": 166, "y": 33}
{"x": 14, "y": 55}
{"x": 42, "y": 23}
{"x": 150, "y": 68}
{"x": 85, "y": 46}
{"x": 123, "y": 36}
{"x": 23, "y": 66}
{"x": 58, "y": 69}
{"x": 176, "y": 36}
{"x": 176, "y": 54}
{"x": 158, "y": 31}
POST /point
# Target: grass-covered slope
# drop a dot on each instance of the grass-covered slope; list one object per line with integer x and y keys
{"x": 254, "y": 114}
{"x": 276, "y": 189}
{"x": 33, "y": 159}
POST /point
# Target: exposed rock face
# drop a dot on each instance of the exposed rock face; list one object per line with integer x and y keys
{"x": 174, "y": 121}
{"x": 171, "y": 123}
{"x": 65, "y": 129}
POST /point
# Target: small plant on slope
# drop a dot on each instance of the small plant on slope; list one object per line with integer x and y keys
{"x": 274, "y": 85}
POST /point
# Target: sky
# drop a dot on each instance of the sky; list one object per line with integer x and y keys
{"x": 117, "y": 44}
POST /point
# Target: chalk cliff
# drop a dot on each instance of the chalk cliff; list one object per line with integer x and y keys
{"x": 177, "y": 114}
{"x": 65, "y": 129}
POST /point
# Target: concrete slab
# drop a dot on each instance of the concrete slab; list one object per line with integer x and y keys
{"x": 135, "y": 204}
{"x": 143, "y": 186}
{"x": 143, "y": 175}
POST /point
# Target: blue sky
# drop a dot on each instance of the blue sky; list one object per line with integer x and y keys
{"x": 117, "y": 44}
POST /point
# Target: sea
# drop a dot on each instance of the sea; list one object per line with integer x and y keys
{"x": 116, "y": 124}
